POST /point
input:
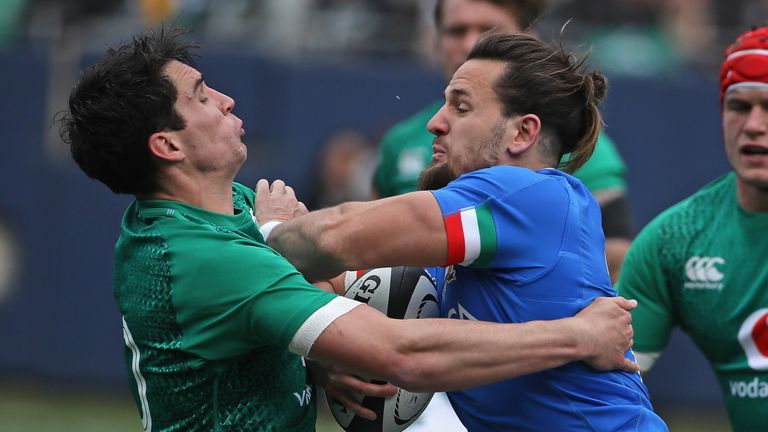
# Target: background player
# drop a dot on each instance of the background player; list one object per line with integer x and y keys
{"x": 701, "y": 264}
{"x": 407, "y": 148}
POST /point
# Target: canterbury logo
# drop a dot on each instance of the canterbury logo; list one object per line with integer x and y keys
{"x": 703, "y": 272}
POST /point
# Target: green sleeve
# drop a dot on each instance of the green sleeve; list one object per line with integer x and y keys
{"x": 605, "y": 169}
{"x": 232, "y": 294}
{"x": 642, "y": 278}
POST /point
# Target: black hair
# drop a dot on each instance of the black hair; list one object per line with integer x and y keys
{"x": 118, "y": 104}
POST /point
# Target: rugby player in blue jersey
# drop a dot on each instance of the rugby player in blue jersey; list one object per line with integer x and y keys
{"x": 521, "y": 239}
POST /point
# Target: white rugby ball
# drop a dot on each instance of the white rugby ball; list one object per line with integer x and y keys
{"x": 401, "y": 293}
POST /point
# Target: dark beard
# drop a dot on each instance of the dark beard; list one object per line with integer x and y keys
{"x": 438, "y": 176}
{"x": 435, "y": 177}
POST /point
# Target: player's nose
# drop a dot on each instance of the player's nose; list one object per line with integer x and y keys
{"x": 438, "y": 125}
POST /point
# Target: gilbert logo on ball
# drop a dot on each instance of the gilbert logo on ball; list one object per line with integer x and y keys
{"x": 753, "y": 337}
{"x": 400, "y": 293}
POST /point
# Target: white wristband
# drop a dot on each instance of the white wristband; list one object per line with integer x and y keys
{"x": 268, "y": 227}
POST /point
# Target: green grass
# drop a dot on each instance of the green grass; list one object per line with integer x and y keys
{"x": 25, "y": 408}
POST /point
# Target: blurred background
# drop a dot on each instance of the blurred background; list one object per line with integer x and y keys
{"x": 317, "y": 82}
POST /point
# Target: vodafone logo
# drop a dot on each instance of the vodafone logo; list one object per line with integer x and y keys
{"x": 703, "y": 272}
{"x": 753, "y": 337}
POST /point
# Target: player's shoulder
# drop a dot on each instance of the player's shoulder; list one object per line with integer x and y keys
{"x": 694, "y": 209}
{"x": 687, "y": 219}
{"x": 606, "y": 152}
{"x": 604, "y": 169}
{"x": 514, "y": 178}
{"x": 511, "y": 186}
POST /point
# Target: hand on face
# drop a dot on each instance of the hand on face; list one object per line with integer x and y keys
{"x": 276, "y": 202}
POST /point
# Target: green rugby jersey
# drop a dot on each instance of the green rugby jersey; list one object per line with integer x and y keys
{"x": 703, "y": 265}
{"x": 208, "y": 312}
{"x": 406, "y": 149}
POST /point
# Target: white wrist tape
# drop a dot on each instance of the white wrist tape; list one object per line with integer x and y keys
{"x": 268, "y": 227}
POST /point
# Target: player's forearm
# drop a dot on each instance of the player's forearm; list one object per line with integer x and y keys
{"x": 309, "y": 243}
{"x": 483, "y": 353}
{"x": 445, "y": 354}
{"x": 403, "y": 230}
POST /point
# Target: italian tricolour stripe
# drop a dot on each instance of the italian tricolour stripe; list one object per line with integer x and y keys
{"x": 471, "y": 236}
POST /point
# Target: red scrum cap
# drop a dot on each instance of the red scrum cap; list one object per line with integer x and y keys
{"x": 746, "y": 63}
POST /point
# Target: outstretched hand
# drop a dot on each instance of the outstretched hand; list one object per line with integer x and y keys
{"x": 276, "y": 202}
{"x": 606, "y": 326}
{"x": 347, "y": 389}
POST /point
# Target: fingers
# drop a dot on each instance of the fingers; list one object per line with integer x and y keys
{"x": 262, "y": 187}
{"x": 368, "y": 389}
{"x": 630, "y": 366}
{"x": 354, "y": 406}
{"x": 625, "y": 304}
{"x": 353, "y": 385}
{"x": 276, "y": 202}
{"x": 301, "y": 209}
{"x": 278, "y": 186}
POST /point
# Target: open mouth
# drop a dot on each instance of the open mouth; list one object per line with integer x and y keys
{"x": 754, "y": 150}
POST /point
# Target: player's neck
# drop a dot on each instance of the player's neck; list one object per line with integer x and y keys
{"x": 751, "y": 199}
{"x": 211, "y": 195}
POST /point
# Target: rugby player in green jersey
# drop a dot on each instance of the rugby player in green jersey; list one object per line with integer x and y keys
{"x": 701, "y": 265}
{"x": 216, "y": 323}
{"x": 406, "y": 149}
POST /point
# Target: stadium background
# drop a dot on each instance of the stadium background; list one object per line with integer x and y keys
{"x": 61, "y": 365}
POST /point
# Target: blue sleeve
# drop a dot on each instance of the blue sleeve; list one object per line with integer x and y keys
{"x": 529, "y": 213}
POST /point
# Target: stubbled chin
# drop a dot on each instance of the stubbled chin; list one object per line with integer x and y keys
{"x": 435, "y": 176}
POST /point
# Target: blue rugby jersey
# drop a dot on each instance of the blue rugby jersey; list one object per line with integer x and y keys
{"x": 525, "y": 246}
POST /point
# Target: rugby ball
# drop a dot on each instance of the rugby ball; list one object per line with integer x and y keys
{"x": 401, "y": 293}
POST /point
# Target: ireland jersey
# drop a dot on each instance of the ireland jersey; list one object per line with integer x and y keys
{"x": 526, "y": 246}
{"x": 701, "y": 265}
{"x": 208, "y": 313}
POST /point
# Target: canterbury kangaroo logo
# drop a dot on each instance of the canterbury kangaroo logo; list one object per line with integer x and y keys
{"x": 703, "y": 272}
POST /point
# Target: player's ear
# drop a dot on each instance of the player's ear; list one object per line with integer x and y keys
{"x": 164, "y": 145}
{"x": 524, "y": 133}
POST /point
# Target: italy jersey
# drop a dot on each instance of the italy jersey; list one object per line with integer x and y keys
{"x": 209, "y": 313}
{"x": 526, "y": 246}
{"x": 702, "y": 265}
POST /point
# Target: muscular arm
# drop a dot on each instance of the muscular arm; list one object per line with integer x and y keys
{"x": 402, "y": 230}
{"x": 425, "y": 355}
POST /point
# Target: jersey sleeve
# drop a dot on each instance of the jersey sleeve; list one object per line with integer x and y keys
{"x": 232, "y": 294}
{"x": 642, "y": 278}
{"x": 504, "y": 215}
